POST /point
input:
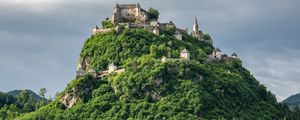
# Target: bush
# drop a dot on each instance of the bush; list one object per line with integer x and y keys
{"x": 153, "y": 13}
{"x": 107, "y": 24}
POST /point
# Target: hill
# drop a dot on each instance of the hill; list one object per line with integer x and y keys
{"x": 293, "y": 101}
{"x": 130, "y": 69}
{"x": 17, "y": 102}
{"x": 16, "y": 93}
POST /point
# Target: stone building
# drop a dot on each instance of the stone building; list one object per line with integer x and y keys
{"x": 185, "y": 54}
{"x": 178, "y": 35}
{"x": 234, "y": 55}
{"x": 163, "y": 59}
{"x": 129, "y": 13}
{"x": 112, "y": 68}
{"x": 217, "y": 53}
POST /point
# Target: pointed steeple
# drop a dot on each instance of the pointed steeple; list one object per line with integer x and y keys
{"x": 196, "y": 26}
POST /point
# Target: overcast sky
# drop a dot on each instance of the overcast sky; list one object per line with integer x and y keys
{"x": 40, "y": 40}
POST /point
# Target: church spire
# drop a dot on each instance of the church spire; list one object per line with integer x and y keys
{"x": 196, "y": 26}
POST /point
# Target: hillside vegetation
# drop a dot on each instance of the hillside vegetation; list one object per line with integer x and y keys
{"x": 151, "y": 89}
{"x": 17, "y": 102}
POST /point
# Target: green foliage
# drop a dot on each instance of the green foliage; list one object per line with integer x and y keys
{"x": 150, "y": 89}
{"x": 153, "y": 13}
{"x": 206, "y": 37}
{"x": 42, "y": 92}
{"x": 12, "y": 106}
{"x": 107, "y": 24}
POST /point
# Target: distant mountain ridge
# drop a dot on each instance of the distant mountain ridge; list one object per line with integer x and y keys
{"x": 293, "y": 101}
{"x": 15, "y": 93}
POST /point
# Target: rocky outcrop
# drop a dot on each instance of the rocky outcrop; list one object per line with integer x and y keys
{"x": 70, "y": 98}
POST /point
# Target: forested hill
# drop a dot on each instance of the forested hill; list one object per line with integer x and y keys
{"x": 137, "y": 68}
{"x": 152, "y": 89}
{"x": 16, "y": 93}
{"x": 18, "y": 102}
{"x": 293, "y": 101}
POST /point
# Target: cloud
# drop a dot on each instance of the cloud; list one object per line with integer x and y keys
{"x": 278, "y": 71}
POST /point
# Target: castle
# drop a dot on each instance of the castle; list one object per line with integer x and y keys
{"x": 129, "y": 13}
{"x": 134, "y": 17}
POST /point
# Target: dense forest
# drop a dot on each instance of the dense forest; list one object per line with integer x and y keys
{"x": 152, "y": 89}
{"x": 17, "y": 102}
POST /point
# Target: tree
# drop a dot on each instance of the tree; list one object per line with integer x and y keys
{"x": 42, "y": 92}
{"x": 153, "y": 50}
{"x": 107, "y": 24}
{"x": 153, "y": 13}
{"x": 206, "y": 37}
{"x": 57, "y": 94}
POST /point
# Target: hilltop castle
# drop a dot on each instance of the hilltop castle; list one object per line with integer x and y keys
{"x": 133, "y": 16}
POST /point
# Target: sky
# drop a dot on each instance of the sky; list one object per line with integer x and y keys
{"x": 40, "y": 40}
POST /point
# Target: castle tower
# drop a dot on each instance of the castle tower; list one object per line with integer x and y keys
{"x": 196, "y": 33}
{"x": 116, "y": 15}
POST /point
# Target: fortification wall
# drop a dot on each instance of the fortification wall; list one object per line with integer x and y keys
{"x": 102, "y": 31}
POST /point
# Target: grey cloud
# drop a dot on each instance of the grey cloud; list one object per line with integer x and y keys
{"x": 278, "y": 71}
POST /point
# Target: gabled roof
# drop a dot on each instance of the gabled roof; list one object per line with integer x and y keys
{"x": 184, "y": 51}
{"x": 177, "y": 32}
{"x": 217, "y": 50}
{"x": 111, "y": 64}
{"x": 234, "y": 54}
